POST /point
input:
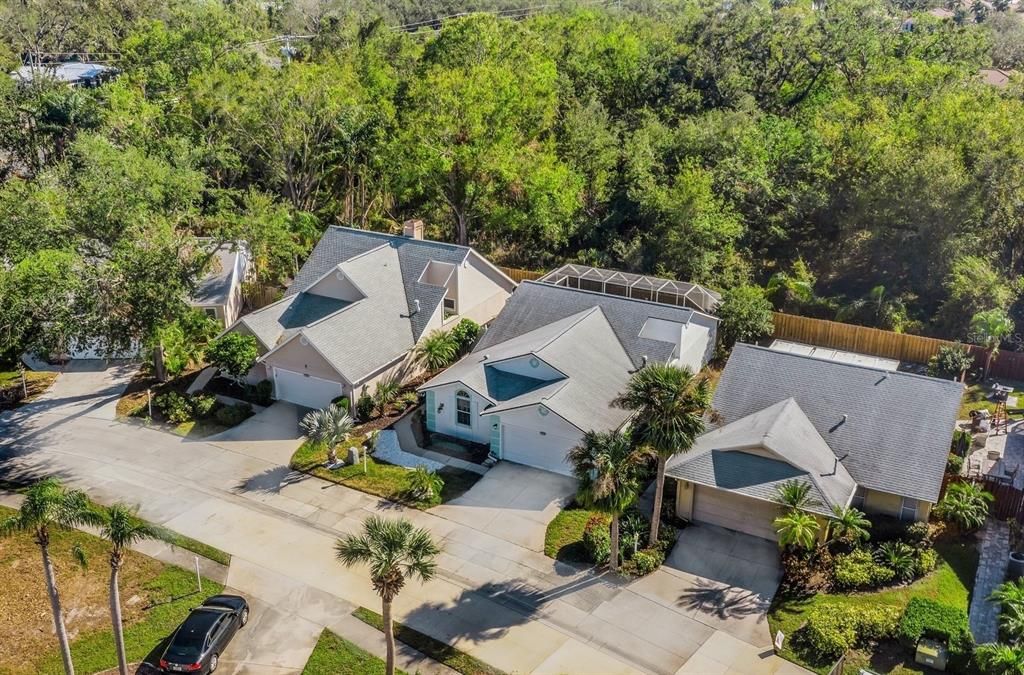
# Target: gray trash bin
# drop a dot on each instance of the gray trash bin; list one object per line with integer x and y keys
{"x": 1015, "y": 568}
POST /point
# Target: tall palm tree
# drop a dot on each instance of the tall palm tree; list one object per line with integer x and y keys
{"x": 1000, "y": 659}
{"x": 49, "y": 505}
{"x": 122, "y": 528}
{"x": 395, "y": 552}
{"x": 329, "y": 426}
{"x": 670, "y": 403}
{"x": 609, "y": 469}
{"x": 989, "y": 328}
{"x": 797, "y": 530}
{"x": 850, "y": 525}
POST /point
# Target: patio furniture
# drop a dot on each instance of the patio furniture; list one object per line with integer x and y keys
{"x": 974, "y": 467}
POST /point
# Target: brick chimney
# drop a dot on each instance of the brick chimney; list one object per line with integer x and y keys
{"x": 413, "y": 229}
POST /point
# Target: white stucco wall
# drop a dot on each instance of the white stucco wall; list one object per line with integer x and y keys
{"x": 480, "y": 428}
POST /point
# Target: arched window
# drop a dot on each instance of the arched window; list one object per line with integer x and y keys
{"x": 462, "y": 408}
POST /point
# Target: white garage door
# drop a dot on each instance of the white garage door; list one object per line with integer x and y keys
{"x": 305, "y": 390}
{"x": 735, "y": 512}
{"x": 527, "y": 446}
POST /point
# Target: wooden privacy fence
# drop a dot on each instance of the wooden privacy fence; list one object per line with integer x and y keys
{"x": 518, "y": 275}
{"x": 884, "y": 343}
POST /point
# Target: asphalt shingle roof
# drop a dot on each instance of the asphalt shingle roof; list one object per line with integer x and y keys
{"x": 215, "y": 286}
{"x": 891, "y": 430}
{"x": 723, "y": 457}
{"x": 535, "y": 304}
{"x": 359, "y": 338}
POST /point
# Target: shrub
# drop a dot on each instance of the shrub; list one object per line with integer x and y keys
{"x": 899, "y": 557}
{"x": 262, "y": 392}
{"x": 424, "y": 484}
{"x": 887, "y": 528}
{"x": 965, "y": 504}
{"x": 174, "y": 406}
{"x": 831, "y": 631}
{"x": 633, "y": 530}
{"x": 438, "y": 350}
{"x": 202, "y": 404}
{"x": 465, "y": 334}
{"x": 927, "y": 559}
{"x": 231, "y": 415}
{"x": 596, "y": 540}
{"x": 408, "y": 400}
{"x": 746, "y": 315}
{"x": 364, "y": 406}
{"x": 951, "y": 361}
{"x": 955, "y": 464}
{"x": 859, "y": 570}
{"x": 918, "y": 534}
{"x": 384, "y": 395}
{"x": 342, "y": 402}
{"x": 931, "y": 619}
{"x": 645, "y": 561}
{"x": 233, "y": 353}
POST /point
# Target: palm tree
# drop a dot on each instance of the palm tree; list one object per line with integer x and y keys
{"x": 795, "y": 494}
{"x": 670, "y": 403}
{"x": 1009, "y": 593}
{"x": 329, "y": 426}
{"x": 49, "y": 505}
{"x": 1011, "y": 596}
{"x": 395, "y": 552}
{"x": 609, "y": 469}
{"x": 797, "y": 530}
{"x": 989, "y": 328}
{"x": 965, "y": 504}
{"x": 437, "y": 350}
{"x": 122, "y": 528}
{"x": 850, "y": 525}
{"x": 999, "y": 659}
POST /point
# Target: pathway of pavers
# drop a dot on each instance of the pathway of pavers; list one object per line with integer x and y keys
{"x": 995, "y": 550}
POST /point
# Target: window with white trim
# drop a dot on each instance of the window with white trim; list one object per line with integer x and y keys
{"x": 908, "y": 509}
{"x": 859, "y": 496}
{"x": 210, "y": 312}
{"x": 462, "y": 409}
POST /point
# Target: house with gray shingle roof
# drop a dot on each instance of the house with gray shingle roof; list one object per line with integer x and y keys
{"x": 219, "y": 293}
{"x": 546, "y": 371}
{"x": 857, "y": 435}
{"x": 360, "y": 305}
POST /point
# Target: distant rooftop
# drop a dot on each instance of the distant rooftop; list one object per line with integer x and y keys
{"x": 73, "y": 73}
{"x": 837, "y": 355}
{"x": 637, "y": 286}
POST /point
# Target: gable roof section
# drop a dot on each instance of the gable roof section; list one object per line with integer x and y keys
{"x": 897, "y": 428}
{"x": 722, "y": 458}
{"x": 227, "y": 264}
{"x": 534, "y": 305}
{"x": 582, "y": 347}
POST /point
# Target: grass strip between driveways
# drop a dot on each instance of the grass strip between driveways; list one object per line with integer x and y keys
{"x": 333, "y": 655}
{"x": 456, "y": 659}
{"x": 563, "y": 539}
{"x": 198, "y": 547}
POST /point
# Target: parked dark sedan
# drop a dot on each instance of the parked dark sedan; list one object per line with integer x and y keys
{"x": 201, "y": 638}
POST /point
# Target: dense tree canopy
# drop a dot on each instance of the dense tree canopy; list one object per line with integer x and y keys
{"x": 858, "y": 167}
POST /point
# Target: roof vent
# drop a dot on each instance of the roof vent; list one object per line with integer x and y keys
{"x": 416, "y": 304}
{"x": 643, "y": 361}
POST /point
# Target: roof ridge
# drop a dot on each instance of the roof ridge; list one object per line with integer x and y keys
{"x": 783, "y": 406}
{"x": 862, "y": 366}
{"x": 582, "y": 314}
{"x": 400, "y": 237}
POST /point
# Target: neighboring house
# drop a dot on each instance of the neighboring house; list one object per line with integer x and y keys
{"x": 548, "y": 368}
{"x": 219, "y": 294}
{"x": 358, "y": 307}
{"x": 864, "y": 436}
{"x": 73, "y": 73}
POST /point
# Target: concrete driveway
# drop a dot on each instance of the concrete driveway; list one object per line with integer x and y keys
{"x": 86, "y": 387}
{"x": 272, "y": 434}
{"x": 512, "y": 502}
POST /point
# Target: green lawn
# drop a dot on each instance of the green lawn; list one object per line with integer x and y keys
{"x": 564, "y": 537}
{"x": 156, "y": 597}
{"x": 457, "y": 660}
{"x": 950, "y": 583}
{"x": 334, "y": 655}
{"x": 199, "y": 548}
{"x": 199, "y": 428}
{"x": 36, "y": 381}
{"x": 975, "y": 397}
{"x": 379, "y": 478}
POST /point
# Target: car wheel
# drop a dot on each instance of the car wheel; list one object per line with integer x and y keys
{"x": 243, "y": 618}
{"x": 214, "y": 662}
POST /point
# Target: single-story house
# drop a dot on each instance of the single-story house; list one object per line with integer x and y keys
{"x": 360, "y": 305}
{"x": 548, "y": 368}
{"x": 219, "y": 293}
{"x": 71, "y": 73}
{"x": 859, "y": 435}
